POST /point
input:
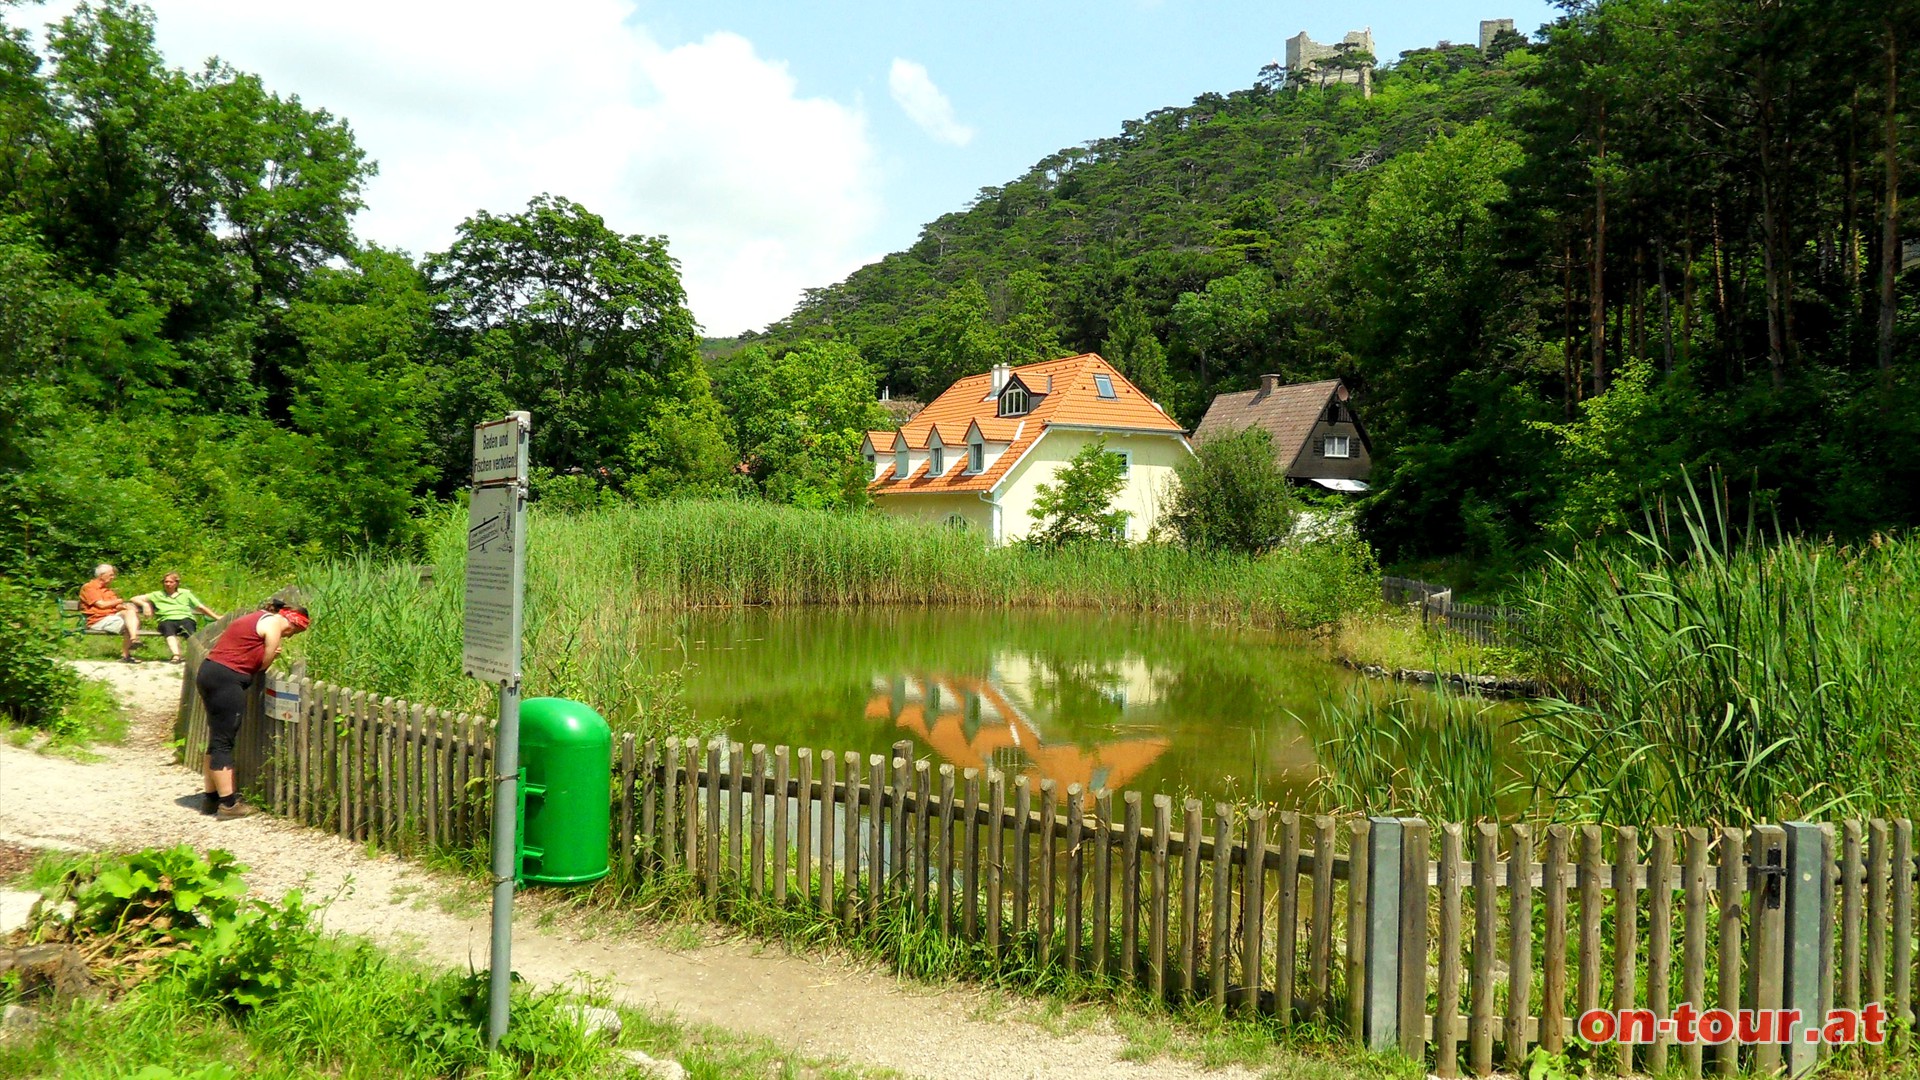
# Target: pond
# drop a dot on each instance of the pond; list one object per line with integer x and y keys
{"x": 1086, "y": 697}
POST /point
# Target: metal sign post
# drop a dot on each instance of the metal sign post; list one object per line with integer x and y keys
{"x": 496, "y": 567}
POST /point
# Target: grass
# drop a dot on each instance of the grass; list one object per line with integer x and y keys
{"x": 347, "y": 1009}
{"x": 1395, "y": 640}
{"x": 597, "y": 581}
{"x": 1715, "y": 675}
{"x": 356, "y": 1012}
{"x": 94, "y": 715}
{"x": 1443, "y": 757}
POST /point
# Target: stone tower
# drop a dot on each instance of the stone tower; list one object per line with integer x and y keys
{"x": 1490, "y": 29}
{"x": 1305, "y": 58}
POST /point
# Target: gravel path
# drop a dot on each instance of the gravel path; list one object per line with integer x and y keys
{"x": 136, "y": 797}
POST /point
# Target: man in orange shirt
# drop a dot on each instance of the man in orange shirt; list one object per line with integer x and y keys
{"x": 106, "y": 612}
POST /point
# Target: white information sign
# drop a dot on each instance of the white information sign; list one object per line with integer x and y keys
{"x": 282, "y": 698}
{"x": 496, "y": 549}
{"x": 496, "y": 542}
{"x": 499, "y": 451}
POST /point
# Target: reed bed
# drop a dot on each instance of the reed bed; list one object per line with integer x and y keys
{"x": 597, "y": 583}
{"x": 1710, "y": 675}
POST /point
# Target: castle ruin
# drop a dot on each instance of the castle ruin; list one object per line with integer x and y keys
{"x": 1309, "y": 59}
{"x": 1490, "y": 29}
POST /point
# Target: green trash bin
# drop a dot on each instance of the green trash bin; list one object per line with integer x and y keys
{"x": 566, "y": 784}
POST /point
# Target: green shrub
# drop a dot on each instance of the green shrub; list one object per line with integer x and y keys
{"x": 34, "y": 687}
{"x": 158, "y": 896}
{"x": 1233, "y": 496}
{"x": 251, "y": 957}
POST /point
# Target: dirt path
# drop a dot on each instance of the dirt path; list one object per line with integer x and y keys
{"x": 135, "y": 797}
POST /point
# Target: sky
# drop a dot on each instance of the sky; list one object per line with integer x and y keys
{"x": 777, "y": 144}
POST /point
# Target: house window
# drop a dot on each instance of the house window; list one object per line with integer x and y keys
{"x": 900, "y": 462}
{"x": 939, "y": 459}
{"x": 1126, "y": 460}
{"x": 956, "y": 522}
{"x": 1104, "y": 384}
{"x": 1339, "y": 446}
{"x": 976, "y": 458}
{"x": 1013, "y": 401}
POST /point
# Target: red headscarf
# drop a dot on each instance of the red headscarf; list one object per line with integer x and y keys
{"x": 296, "y": 619}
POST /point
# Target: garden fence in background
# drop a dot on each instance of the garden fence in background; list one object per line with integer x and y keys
{"x": 1486, "y": 624}
{"x": 1465, "y": 945}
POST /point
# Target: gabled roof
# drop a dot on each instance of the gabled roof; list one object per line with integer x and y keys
{"x": 1288, "y": 413}
{"x": 994, "y": 429}
{"x": 1070, "y": 400}
{"x": 881, "y": 441}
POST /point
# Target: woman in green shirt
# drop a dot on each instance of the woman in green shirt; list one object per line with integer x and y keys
{"x": 175, "y": 608}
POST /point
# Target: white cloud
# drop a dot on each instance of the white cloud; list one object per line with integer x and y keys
{"x": 924, "y": 104}
{"x": 761, "y": 191}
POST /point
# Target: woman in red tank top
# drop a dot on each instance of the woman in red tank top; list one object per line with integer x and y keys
{"x": 247, "y": 647}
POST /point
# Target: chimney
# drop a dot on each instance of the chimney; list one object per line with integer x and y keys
{"x": 886, "y": 393}
{"x": 1001, "y": 373}
{"x": 1268, "y": 384}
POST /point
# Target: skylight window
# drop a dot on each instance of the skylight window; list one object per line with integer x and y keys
{"x": 1104, "y": 384}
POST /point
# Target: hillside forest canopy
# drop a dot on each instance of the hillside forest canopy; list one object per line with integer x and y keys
{"x": 1562, "y": 274}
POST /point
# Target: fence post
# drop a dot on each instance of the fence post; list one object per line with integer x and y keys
{"x": 1381, "y": 988}
{"x": 1809, "y": 916}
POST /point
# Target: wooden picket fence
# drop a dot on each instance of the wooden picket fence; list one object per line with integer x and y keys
{"x": 1485, "y": 624}
{"x": 1463, "y": 945}
{"x": 364, "y": 767}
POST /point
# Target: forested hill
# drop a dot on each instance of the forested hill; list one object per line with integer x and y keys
{"x": 1660, "y": 239}
{"x": 1179, "y": 198}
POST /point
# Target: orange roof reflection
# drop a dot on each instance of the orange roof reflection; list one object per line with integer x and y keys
{"x": 967, "y": 739}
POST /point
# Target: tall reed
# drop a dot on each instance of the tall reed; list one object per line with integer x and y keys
{"x": 596, "y": 583}
{"x": 1439, "y": 756}
{"x": 1718, "y": 675}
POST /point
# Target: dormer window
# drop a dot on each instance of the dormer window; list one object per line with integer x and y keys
{"x": 900, "y": 461}
{"x": 976, "y": 457}
{"x": 1013, "y": 401}
{"x": 938, "y": 461}
{"x": 1104, "y": 384}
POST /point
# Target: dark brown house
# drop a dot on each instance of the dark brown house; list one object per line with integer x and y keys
{"x": 1316, "y": 435}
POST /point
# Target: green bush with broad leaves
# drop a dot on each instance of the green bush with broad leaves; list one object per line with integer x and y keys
{"x": 156, "y": 896}
{"x": 34, "y": 687}
{"x": 186, "y": 913}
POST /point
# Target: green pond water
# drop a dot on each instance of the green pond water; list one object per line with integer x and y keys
{"x": 1101, "y": 700}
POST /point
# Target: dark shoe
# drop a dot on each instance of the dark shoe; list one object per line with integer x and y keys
{"x": 173, "y": 660}
{"x": 239, "y": 809}
{"x": 209, "y": 803}
{"x": 130, "y": 660}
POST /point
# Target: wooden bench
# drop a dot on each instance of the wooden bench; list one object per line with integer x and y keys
{"x": 70, "y": 609}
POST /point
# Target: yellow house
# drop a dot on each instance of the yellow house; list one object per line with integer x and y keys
{"x": 976, "y": 456}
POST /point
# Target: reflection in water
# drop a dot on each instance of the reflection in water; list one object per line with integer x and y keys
{"x": 972, "y": 724}
{"x": 1076, "y": 697}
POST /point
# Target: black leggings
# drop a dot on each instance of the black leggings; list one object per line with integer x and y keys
{"x": 224, "y": 692}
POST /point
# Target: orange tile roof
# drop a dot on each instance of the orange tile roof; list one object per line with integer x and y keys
{"x": 1070, "y": 399}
